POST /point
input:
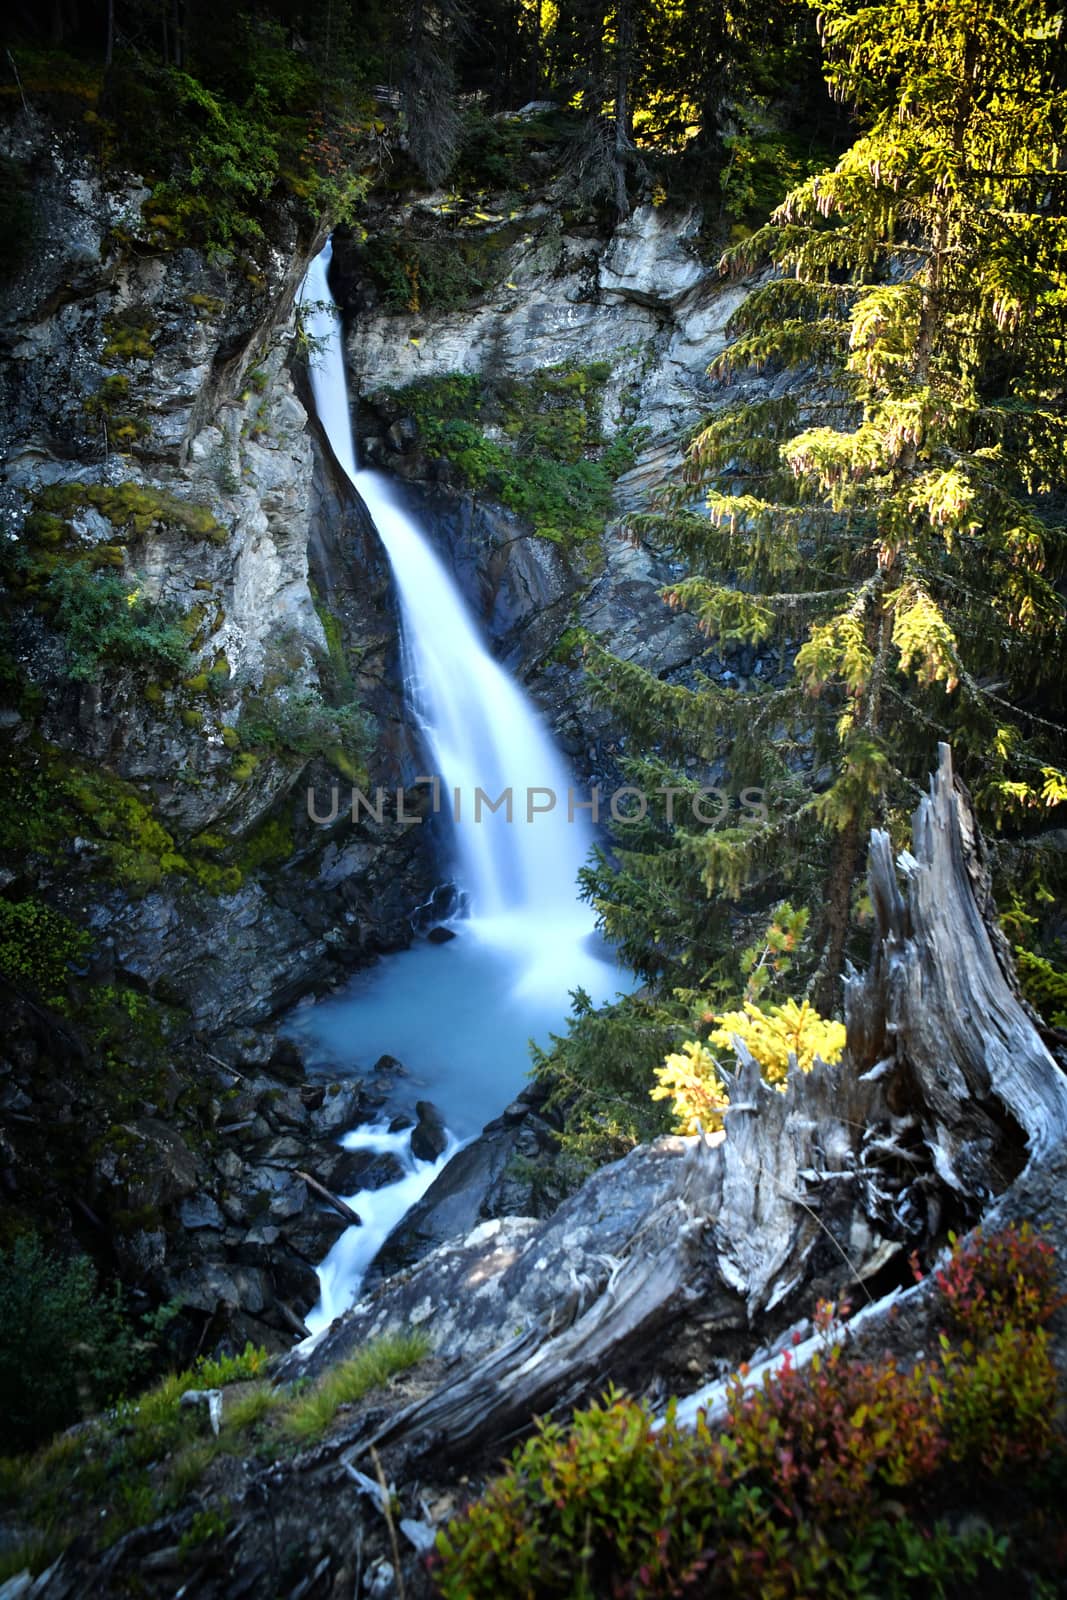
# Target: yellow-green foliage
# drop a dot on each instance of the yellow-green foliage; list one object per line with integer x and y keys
{"x": 111, "y": 406}
{"x": 245, "y": 764}
{"x": 206, "y": 1525}
{"x": 252, "y": 1408}
{"x": 690, "y": 1079}
{"x": 270, "y": 843}
{"x": 1044, "y": 985}
{"x": 311, "y": 1414}
{"x": 773, "y": 1035}
{"x": 38, "y": 947}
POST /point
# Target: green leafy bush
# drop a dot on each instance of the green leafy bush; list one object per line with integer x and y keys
{"x": 841, "y": 1479}
{"x": 553, "y": 464}
{"x": 218, "y": 143}
{"x": 419, "y": 274}
{"x": 598, "y": 1075}
{"x": 302, "y": 722}
{"x": 1043, "y": 984}
{"x": 105, "y": 619}
{"x": 65, "y": 1347}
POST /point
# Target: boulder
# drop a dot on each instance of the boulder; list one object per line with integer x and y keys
{"x": 429, "y": 1137}
{"x": 200, "y": 1211}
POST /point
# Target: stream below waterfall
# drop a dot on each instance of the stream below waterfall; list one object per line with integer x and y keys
{"x": 459, "y": 1015}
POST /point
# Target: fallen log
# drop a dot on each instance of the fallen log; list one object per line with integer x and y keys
{"x": 342, "y": 1207}
{"x": 944, "y": 1094}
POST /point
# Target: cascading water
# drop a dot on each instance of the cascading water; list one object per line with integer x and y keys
{"x": 518, "y": 867}
{"x": 526, "y": 939}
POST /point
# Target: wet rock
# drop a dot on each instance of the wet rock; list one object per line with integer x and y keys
{"x": 346, "y": 1172}
{"x": 142, "y": 1254}
{"x": 286, "y": 1062}
{"x": 440, "y": 935}
{"x": 386, "y": 1064}
{"x": 246, "y": 1048}
{"x": 314, "y": 1232}
{"x": 254, "y": 1289}
{"x": 340, "y": 1108}
{"x": 281, "y": 1152}
{"x": 200, "y": 1211}
{"x": 403, "y": 434}
{"x": 295, "y": 1281}
{"x": 208, "y": 1286}
{"x": 429, "y": 1138}
{"x": 229, "y": 1166}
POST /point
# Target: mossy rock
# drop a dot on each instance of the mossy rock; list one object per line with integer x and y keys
{"x": 269, "y": 845}
{"x": 209, "y": 304}
{"x": 244, "y": 766}
{"x": 128, "y": 335}
{"x": 135, "y": 508}
{"x": 38, "y": 947}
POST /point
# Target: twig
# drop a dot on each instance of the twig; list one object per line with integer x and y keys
{"x": 18, "y": 80}
{"x": 225, "y": 1066}
{"x": 387, "y": 1512}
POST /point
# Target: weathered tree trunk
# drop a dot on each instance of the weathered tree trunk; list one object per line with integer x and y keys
{"x": 944, "y": 1094}
{"x": 938, "y": 1003}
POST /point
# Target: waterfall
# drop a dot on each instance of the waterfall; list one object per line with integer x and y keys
{"x": 518, "y": 862}
{"x": 462, "y": 1014}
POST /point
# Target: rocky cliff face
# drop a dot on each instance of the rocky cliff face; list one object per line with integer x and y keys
{"x": 645, "y": 301}
{"x": 152, "y": 429}
{"x": 161, "y": 468}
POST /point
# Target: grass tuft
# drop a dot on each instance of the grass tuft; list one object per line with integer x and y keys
{"x": 312, "y": 1413}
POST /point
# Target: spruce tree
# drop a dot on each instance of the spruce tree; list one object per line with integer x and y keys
{"x": 888, "y": 515}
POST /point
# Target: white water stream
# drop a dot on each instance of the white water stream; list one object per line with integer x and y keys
{"x": 459, "y": 1014}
